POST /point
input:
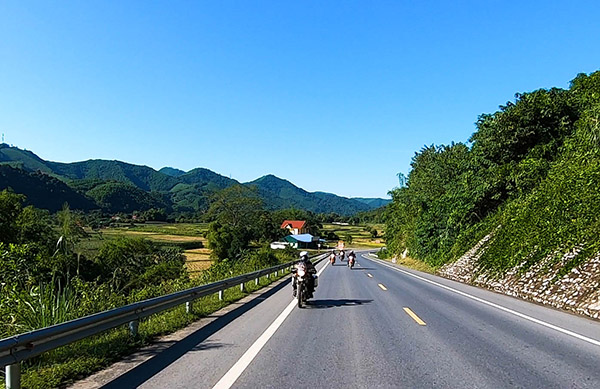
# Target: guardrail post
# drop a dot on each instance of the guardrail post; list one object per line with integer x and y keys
{"x": 134, "y": 326}
{"x": 188, "y": 307}
{"x": 256, "y": 281}
{"x": 220, "y": 295}
{"x": 13, "y": 376}
{"x": 268, "y": 275}
{"x": 243, "y": 287}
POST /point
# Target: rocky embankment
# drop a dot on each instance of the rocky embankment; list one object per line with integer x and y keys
{"x": 577, "y": 291}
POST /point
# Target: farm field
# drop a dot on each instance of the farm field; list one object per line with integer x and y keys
{"x": 356, "y": 236}
{"x": 188, "y": 236}
{"x": 197, "y": 260}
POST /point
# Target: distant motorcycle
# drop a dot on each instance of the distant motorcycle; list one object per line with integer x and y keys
{"x": 332, "y": 259}
{"x": 351, "y": 261}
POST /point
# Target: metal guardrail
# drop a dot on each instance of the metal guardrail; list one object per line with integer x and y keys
{"x": 21, "y": 347}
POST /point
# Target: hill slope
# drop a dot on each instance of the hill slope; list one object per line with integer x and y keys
{"x": 171, "y": 188}
{"x": 42, "y": 190}
{"x": 278, "y": 193}
{"x": 143, "y": 177}
{"x": 171, "y": 171}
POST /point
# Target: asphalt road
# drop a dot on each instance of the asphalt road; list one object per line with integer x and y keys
{"x": 380, "y": 327}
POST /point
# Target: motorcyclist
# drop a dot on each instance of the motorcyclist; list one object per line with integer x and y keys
{"x": 342, "y": 255}
{"x": 351, "y": 257}
{"x": 332, "y": 256}
{"x": 310, "y": 269}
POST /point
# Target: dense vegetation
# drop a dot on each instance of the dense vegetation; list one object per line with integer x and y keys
{"x": 530, "y": 175}
{"x": 43, "y": 190}
{"x": 47, "y": 275}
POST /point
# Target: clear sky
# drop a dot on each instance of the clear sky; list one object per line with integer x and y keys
{"x": 334, "y": 96}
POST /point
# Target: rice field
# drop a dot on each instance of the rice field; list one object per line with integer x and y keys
{"x": 197, "y": 259}
{"x": 359, "y": 234}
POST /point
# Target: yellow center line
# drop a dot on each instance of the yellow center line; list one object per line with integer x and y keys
{"x": 369, "y": 275}
{"x": 414, "y": 316}
{"x": 382, "y": 286}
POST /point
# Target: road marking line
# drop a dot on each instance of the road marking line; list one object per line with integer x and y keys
{"x": 414, "y": 316}
{"x": 382, "y": 286}
{"x": 500, "y": 307}
{"x": 238, "y": 368}
{"x": 369, "y": 275}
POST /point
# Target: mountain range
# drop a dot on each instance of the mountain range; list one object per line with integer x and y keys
{"x": 117, "y": 186}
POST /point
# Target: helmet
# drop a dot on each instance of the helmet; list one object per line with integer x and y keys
{"x": 303, "y": 254}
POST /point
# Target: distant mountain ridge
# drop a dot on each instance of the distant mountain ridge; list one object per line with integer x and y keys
{"x": 171, "y": 171}
{"x": 118, "y": 186}
{"x": 279, "y": 193}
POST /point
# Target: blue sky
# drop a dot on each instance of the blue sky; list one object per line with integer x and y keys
{"x": 334, "y": 96}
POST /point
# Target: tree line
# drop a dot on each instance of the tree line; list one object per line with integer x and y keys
{"x": 514, "y": 177}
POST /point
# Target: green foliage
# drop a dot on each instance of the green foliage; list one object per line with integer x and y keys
{"x": 42, "y": 283}
{"x": 11, "y": 206}
{"x": 117, "y": 186}
{"x": 42, "y": 190}
{"x": 281, "y": 194}
{"x": 123, "y": 197}
{"x": 238, "y": 217}
{"x": 530, "y": 176}
{"x": 226, "y": 241}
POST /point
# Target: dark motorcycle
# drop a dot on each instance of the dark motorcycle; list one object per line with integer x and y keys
{"x": 351, "y": 261}
{"x": 301, "y": 275}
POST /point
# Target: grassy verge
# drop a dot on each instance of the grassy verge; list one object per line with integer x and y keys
{"x": 59, "y": 367}
{"x": 412, "y": 263}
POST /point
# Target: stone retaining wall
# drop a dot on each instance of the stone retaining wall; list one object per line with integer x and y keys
{"x": 577, "y": 291}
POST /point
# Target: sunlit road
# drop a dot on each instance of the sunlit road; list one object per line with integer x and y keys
{"x": 377, "y": 327}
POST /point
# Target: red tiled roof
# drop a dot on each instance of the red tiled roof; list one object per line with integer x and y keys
{"x": 293, "y": 223}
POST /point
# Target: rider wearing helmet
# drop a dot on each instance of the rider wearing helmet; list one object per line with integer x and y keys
{"x": 310, "y": 268}
{"x": 351, "y": 257}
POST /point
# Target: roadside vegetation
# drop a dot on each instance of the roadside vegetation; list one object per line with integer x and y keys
{"x": 66, "y": 265}
{"x": 55, "y": 268}
{"x": 529, "y": 176}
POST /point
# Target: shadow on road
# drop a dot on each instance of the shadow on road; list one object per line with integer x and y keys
{"x": 363, "y": 268}
{"x": 319, "y": 304}
{"x": 193, "y": 342}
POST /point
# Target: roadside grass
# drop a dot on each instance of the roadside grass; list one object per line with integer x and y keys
{"x": 412, "y": 263}
{"x": 59, "y": 368}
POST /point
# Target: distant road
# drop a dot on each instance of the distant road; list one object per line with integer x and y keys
{"x": 377, "y": 327}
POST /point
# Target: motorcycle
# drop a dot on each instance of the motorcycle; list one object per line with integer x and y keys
{"x": 332, "y": 259}
{"x": 301, "y": 275}
{"x": 350, "y": 262}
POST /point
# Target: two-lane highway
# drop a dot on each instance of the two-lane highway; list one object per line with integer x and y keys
{"x": 380, "y": 326}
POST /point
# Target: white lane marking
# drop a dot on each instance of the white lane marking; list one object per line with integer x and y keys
{"x": 238, "y": 368}
{"x": 500, "y": 307}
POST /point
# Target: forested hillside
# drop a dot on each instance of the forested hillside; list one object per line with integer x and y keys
{"x": 116, "y": 186}
{"x": 278, "y": 193}
{"x": 528, "y": 181}
{"x": 43, "y": 190}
